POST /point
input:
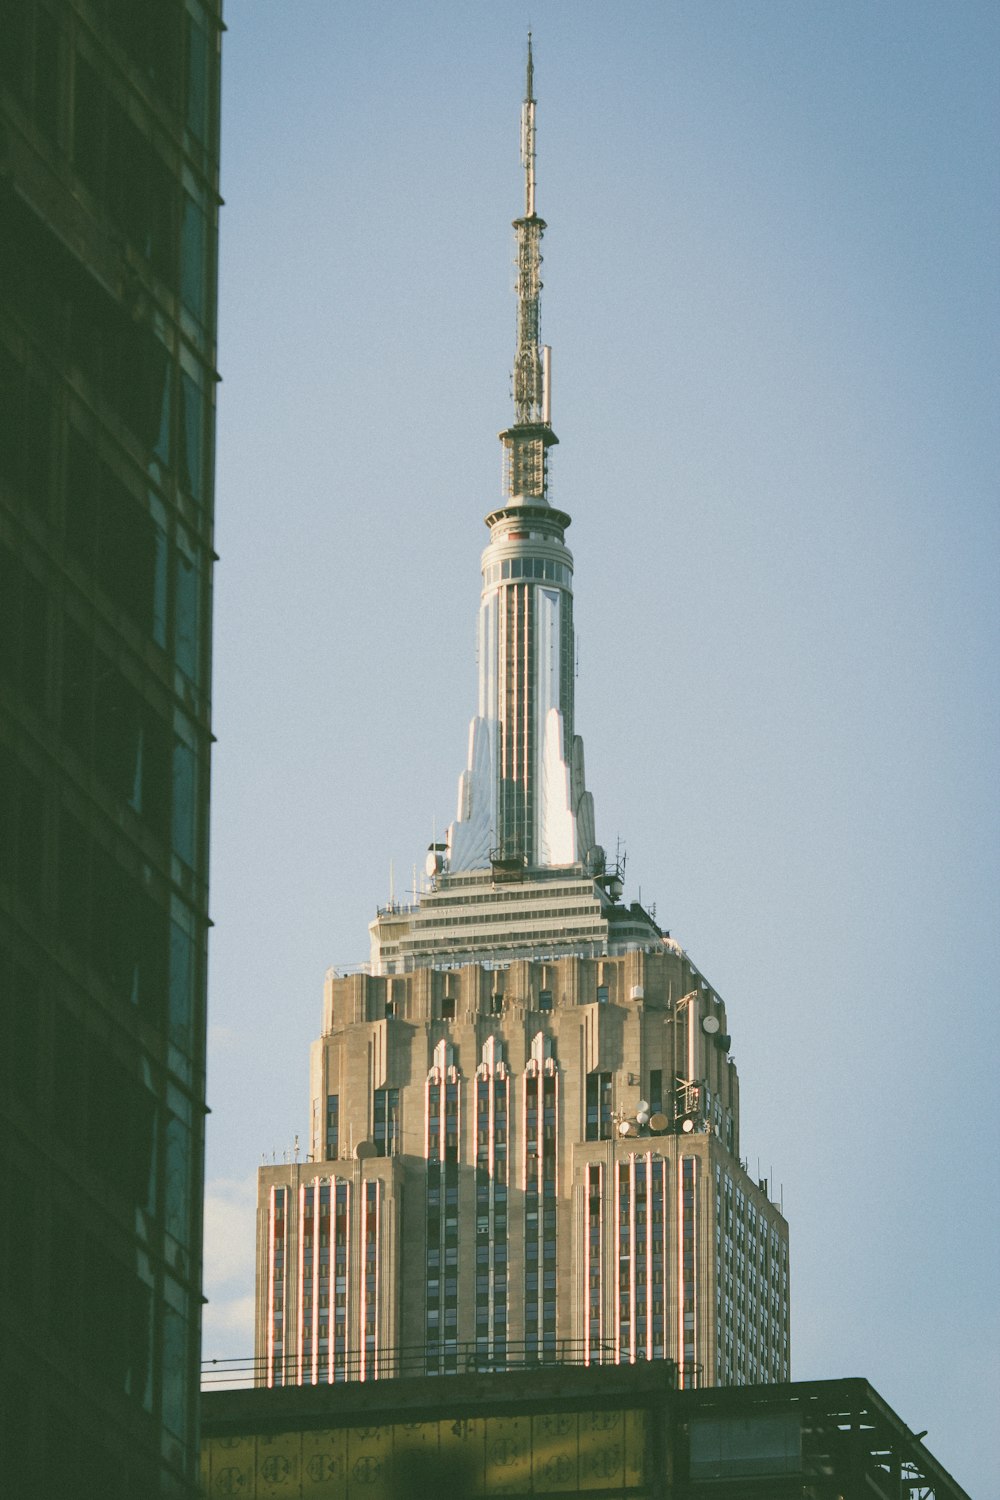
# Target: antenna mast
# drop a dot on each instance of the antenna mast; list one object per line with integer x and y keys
{"x": 527, "y": 442}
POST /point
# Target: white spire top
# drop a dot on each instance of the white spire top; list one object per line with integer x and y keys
{"x": 522, "y": 800}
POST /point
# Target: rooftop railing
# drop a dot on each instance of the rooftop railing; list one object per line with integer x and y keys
{"x": 413, "y": 1360}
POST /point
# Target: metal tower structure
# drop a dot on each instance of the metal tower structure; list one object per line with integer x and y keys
{"x": 526, "y": 443}
{"x": 522, "y": 799}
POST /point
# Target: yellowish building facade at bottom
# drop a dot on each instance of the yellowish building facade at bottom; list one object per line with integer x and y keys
{"x": 563, "y": 1453}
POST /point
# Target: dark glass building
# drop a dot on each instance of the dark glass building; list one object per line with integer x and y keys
{"x": 108, "y": 217}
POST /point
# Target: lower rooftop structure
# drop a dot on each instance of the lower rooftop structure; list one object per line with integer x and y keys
{"x": 626, "y": 1432}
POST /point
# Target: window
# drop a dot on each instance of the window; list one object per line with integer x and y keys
{"x": 187, "y": 635}
{"x": 174, "y": 1368}
{"x": 448, "y": 1008}
{"x": 181, "y": 996}
{"x": 385, "y": 1125}
{"x": 602, "y": 994}
{"x": 598, "y": 1120}
{"x": 544, "y": 1000}
{"x": 332, "y": 1126}
{"x": 193, "y": 265}
{"x": 184, "y": 808}
{"x": 177, "y": 1205}
{"x": 193, "y": 437}
{"x": 198, "y": 89}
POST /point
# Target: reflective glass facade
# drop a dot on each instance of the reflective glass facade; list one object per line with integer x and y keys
{"x": 109, "y": 205}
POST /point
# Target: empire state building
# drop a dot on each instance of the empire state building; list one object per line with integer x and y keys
{"x": 524, "y": 1140}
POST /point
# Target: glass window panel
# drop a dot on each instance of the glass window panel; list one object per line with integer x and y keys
{"x": 183, "y": 811}
{"x": 193, "y": 240}
{"x": 177, "y": 1197}
{"x": 174, "y": 1382}
{"x": 193, "y": 444}
{"x": 181, "y": 987}
{"x": 186, "y": 613}
{"x": 197, "y": 79}
{"x": 159, "y": 571}
{"x": 161, "y": 403}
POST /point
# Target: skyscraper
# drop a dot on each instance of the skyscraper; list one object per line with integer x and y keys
{"x": 108, "y": 206}
{"x": 524, "y": 1141}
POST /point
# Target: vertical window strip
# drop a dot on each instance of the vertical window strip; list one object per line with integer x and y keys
{"x": 324, "y": 1299}
{"x": 442, "y": 1138}
{"x": 298, "y": 1372}
{"x": 593, "y": 1337}
{"x": 332, "y": 1126}
{"x": 549, "y": 1126}
{"x": 276, "y": 1289}
{"x": 433, "y": 1218}
{"x": 625, "y": 1322}
{"x": 492, "y": 1113}
{"x": 499, "y": 1211}
{"x": 658, "y": 1251}
{"x": 540, "y": 1180}
{"x": 312, "y": 1210}
{"x": 385, "y": 1121}
{"x": 449, "y": 1219}
{"x": 340, "y": 1247}
{"x": 432, "y": 1120}
{"x": 687, "y": 1280}
{"x": 531, "y": 1125}
{"x": 370, "y": 1224}
{"x": 304, "y": 1282}
{"x": 640, "y": 1256}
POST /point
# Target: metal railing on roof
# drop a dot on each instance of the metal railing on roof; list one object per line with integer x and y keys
{"x": 456, "y": 1358}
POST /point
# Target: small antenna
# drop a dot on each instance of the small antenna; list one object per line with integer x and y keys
{"x": 392, "y": 885}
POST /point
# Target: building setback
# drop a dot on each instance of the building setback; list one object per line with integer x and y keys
{"x": 525, "y": 1138}
{"x": 108, "y": 205}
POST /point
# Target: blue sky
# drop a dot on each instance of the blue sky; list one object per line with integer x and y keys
{"x": 772, "y": 293}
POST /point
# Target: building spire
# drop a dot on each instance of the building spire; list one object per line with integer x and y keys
{"x": 525, "y": 444}
{"x": 523, "y": 803}
{"x": 528, "y": 136}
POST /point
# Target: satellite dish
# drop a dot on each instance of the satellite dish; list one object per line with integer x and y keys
{"x": 642, "y": 1108}
{"x": 710, "y": 1024}
{"x": 625, "y": 1127}
{"x": 433, "y": 863}
{"x": 637, "y": 992}
{"x": 658, "y": 1121}
{"x": 725, "y": 1042}
{"x": 642, "y": 1117}
{"x": 365, "y": 1150}
{"x": 687, "y": 1127}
